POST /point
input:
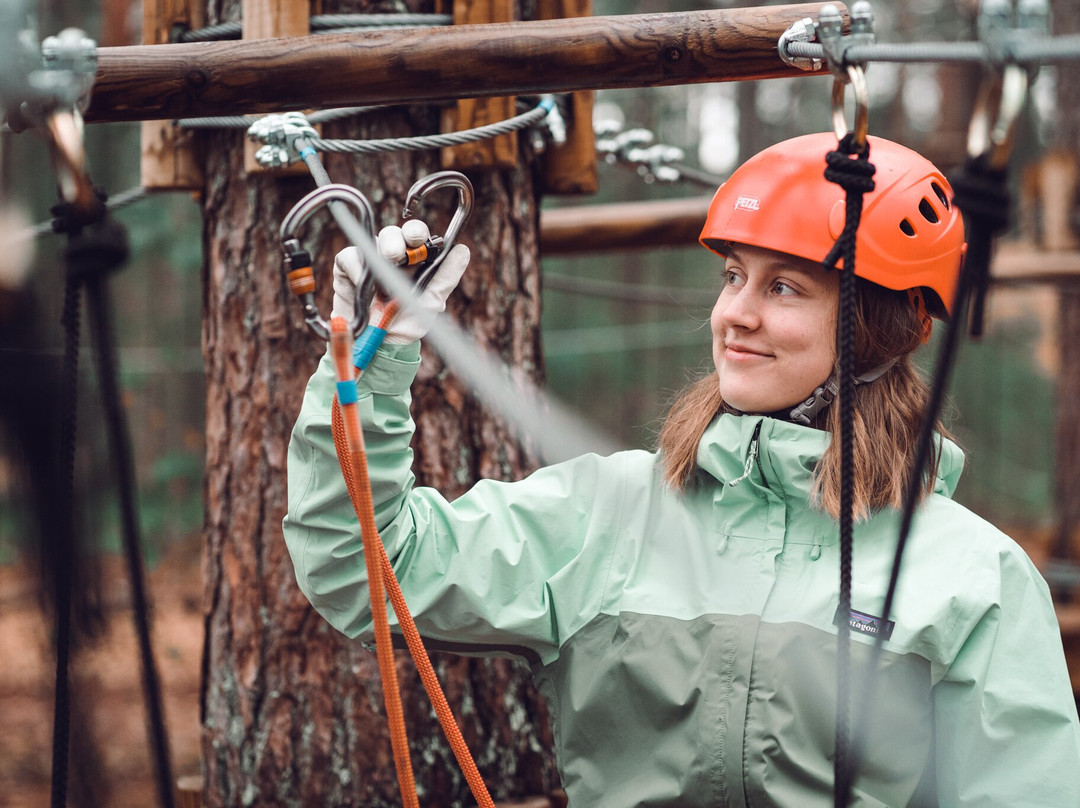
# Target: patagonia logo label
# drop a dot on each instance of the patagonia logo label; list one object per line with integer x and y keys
{"x": 747, "y": 203}
{"x": 867, "y": 624}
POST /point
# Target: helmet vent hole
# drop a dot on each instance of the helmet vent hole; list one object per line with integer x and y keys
{"x": 940, "y": 194}
{"x": 907, "y": 228}
{"x": 928, "y": 212}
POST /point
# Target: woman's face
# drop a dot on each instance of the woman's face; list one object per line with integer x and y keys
{"x": 774, "y": 329}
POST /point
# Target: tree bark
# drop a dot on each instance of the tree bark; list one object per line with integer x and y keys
{"x": 292, "y": 711}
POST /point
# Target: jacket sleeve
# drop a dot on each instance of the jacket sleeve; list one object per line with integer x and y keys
{"x": 506, "y": 568}
{"x": 1007, "y": 728}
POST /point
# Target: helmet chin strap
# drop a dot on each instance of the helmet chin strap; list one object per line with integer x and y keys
{"x": 824, "y": 394}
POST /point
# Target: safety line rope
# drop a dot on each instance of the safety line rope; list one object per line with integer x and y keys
{"x": 382, "y": 581}
{"x": 97, "y": 245}
{"x": 849, "y": 167}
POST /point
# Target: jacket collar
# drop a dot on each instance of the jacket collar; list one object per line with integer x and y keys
{"x": 787, "y": 454}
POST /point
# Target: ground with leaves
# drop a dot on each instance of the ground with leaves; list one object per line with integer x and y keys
{"x": 110, "y": 760}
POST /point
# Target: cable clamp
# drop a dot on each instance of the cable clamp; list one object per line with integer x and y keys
{"x": 279, "y": 132}
{"x": 653, "y": 161}
{"x": 804, "y": 30}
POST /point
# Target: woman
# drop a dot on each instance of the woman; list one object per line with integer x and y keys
{"x": 678, "y": 608}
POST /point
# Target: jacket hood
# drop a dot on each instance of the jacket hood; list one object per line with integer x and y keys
{"x": 788, "y": 453}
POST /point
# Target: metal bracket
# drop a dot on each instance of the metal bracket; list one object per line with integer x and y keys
{"x": 834, "y": 44}
{"x": 279, "y": 133}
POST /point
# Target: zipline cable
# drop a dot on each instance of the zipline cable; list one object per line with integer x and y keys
{"x": 420, "y": 142}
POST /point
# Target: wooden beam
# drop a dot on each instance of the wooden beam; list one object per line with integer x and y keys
{"x": 494, "y": 152}
{"x": 622, "y": 226}
{"x": 570, "y": 167}
{"x": 1020, "y": 263}
{"x": 169, "y": 158}
{"x": 436, "y": 64}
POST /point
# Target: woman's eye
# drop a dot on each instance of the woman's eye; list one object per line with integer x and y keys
{"x": 782, "y": 288}
{"x": 732, "y": 278}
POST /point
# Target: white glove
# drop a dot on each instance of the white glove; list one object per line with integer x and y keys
{"x": 408, "y": 326}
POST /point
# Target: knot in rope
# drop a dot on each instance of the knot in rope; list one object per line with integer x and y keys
{"x": 852, "y": 170}
{"x": 97, "y": 250}
{"x": 982, "y": 195}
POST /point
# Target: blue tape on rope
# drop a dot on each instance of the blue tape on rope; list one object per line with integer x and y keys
{"x": 307, "y": 151}
{"x": 346, "y": 392}
{"x": 366, "y": 346}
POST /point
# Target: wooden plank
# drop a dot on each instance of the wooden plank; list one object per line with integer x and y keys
{"x": 1019, "y": 262}
{"x": 622, "y": 226}
{"x": 570, "y": 168}
{"x": 265, "y": 19}
{"x": 496, "y": 152}
{"x": 146, "y": 82}
{"x": 169, "y": 158}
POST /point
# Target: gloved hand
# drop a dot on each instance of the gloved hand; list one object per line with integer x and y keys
{"x": 408, "y": 326}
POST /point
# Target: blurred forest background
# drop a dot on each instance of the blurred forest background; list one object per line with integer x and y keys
{"x": 617, "y": 363}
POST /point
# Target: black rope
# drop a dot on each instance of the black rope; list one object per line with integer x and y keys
{"x": 849, "y": 167}
{"x": 980, "y": 192}
{"x": 64, "y": 553}
{"x": 96, "y": 246}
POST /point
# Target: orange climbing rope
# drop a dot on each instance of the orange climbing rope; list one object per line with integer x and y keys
{"x": 349, "y": 442}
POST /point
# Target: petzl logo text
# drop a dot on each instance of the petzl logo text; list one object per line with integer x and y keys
{"x": 747, "y": 203}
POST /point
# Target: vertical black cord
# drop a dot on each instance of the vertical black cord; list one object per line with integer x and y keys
{"x": 95, "y": 248}
{"x": 980, "y": 192}
{"x": 63, "y": 560}
{"x": 849, "y": 166}
{"x": 110, "y": 249}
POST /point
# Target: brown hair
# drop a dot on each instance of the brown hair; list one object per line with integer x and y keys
{"x": 887, "y": 413}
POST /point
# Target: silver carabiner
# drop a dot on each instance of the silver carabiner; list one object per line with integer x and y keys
{"x": 298, "y": 260}
{"x": 856, "y": 77}
{"x": 440, "y": 246}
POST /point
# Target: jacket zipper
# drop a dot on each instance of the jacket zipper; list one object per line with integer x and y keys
{"x": 752, "y": 459}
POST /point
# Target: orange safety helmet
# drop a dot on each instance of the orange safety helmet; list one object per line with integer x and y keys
{"x": 910, "y": 236}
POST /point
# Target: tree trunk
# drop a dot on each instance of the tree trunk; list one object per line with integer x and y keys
{"x": 292, "y": 711}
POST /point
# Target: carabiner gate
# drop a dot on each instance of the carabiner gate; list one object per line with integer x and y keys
{"x": 437, "y": 247}
{"x": 297, "y": 263}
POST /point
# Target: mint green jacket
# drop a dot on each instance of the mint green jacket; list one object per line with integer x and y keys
{"x": 686, "y": 643}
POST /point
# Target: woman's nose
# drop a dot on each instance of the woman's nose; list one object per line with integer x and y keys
{"x": 739, "y": 309}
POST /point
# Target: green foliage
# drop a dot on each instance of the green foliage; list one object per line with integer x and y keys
{"x": 1004, "y": 416}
